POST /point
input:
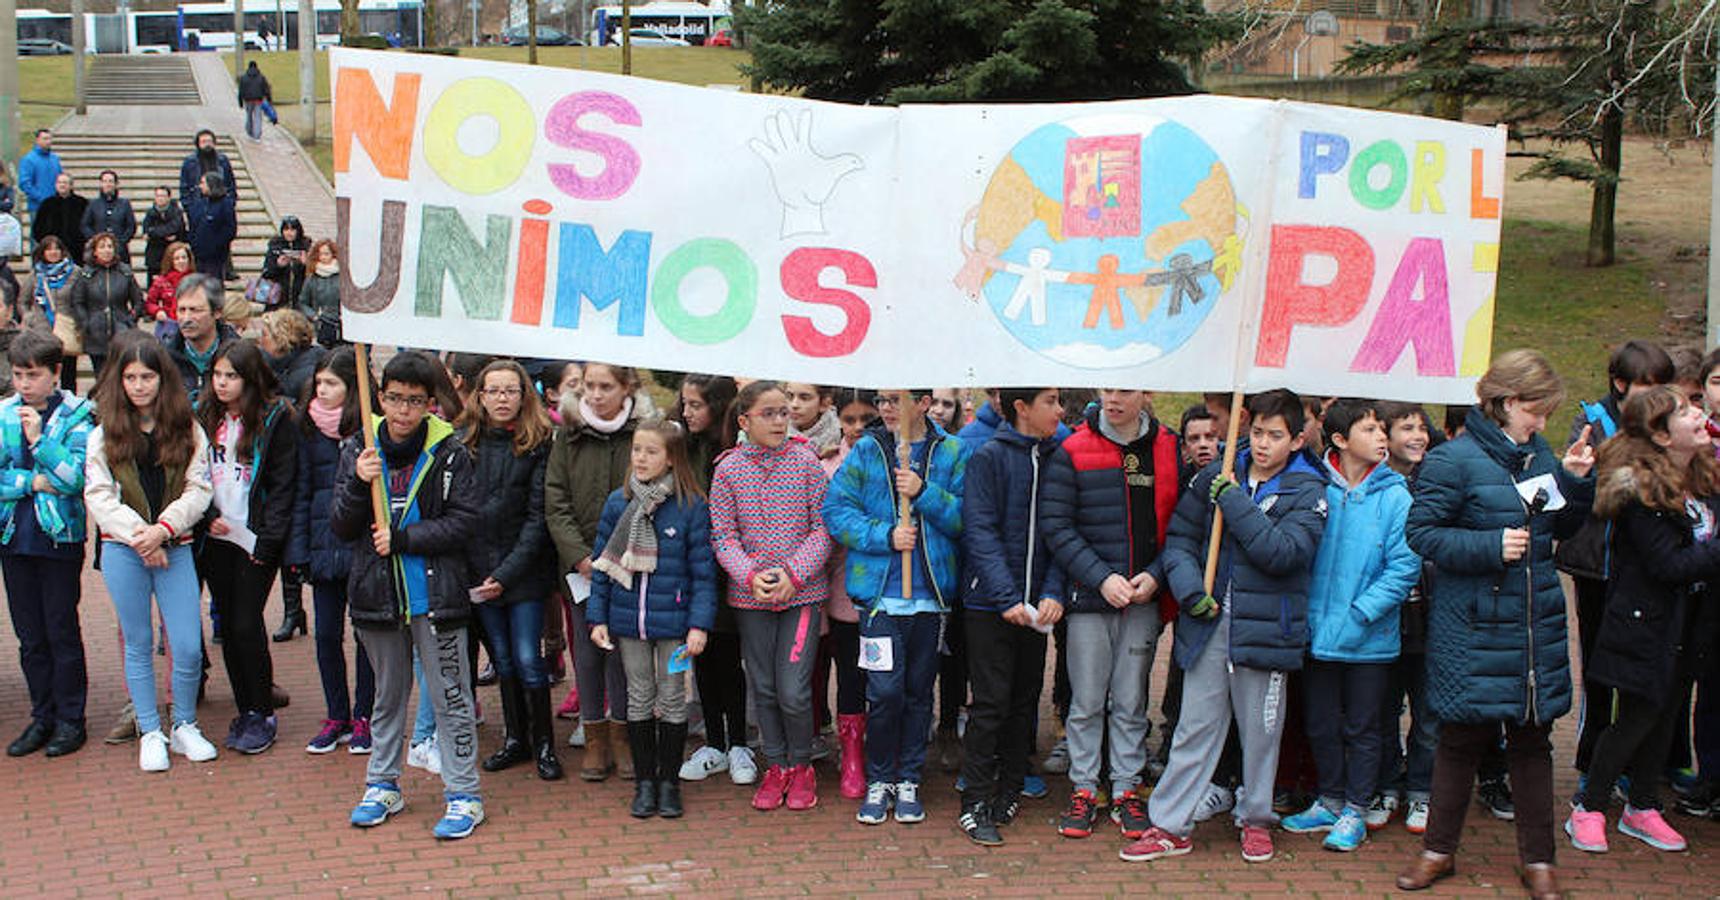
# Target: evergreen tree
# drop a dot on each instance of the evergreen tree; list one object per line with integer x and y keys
{"x": 895, "y": 51}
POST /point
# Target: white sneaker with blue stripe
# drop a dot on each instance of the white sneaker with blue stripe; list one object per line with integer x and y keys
{"x": 381, "y": 800}
{"x": 465, "y": 812}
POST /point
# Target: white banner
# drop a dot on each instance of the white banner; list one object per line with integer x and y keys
{"x": 1191, "y": 243}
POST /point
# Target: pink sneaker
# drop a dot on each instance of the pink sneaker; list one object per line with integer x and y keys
{"x": 1588, "y": 830}
{"x": 802, "y": 788}
{"x": 771, "y": 788}
{"x": 1648, "y": 826}
{"x": 1256, "y": 844}
{"x": 569, "y": 707}
{"x": 1157, "y": 843}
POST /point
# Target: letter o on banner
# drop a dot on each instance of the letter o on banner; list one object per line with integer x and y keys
{"x": 516, "y": 129}
{"x": 1383, "y": 153}
{"x": 732, "y": 318}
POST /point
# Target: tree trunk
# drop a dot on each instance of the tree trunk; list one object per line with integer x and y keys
{"x": 531, "y": 32}
{"x": 1602, "y": 235}
{"x": 348, "y": 20}
{"x": 1446, "y": 13}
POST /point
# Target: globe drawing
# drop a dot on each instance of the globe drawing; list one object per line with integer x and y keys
{"x": 1104, "y": 241}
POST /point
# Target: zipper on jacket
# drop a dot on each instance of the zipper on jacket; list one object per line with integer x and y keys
{"x": 1032, "y": 528}
{"x": 644, "y": 579}
{"x": 1529, "y": 620}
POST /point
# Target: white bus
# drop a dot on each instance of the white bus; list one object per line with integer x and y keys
{"x": 692, "y": 22}
{"x": 209, "y": 26}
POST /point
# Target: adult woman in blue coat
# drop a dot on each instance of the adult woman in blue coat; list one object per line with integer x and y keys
{"x": 1487, "y": 508}
{"x": 213, "y": 222}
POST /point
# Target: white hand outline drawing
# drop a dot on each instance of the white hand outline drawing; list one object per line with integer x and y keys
{"x": 803, "y": 178}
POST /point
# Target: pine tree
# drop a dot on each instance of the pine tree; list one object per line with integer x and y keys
{"x": 895, "y": 51}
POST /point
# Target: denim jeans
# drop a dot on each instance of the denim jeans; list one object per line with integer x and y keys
{"x": 899, "y": 701}
{"x": 329, "y": 598}
{"x": 131, "y": 584}
{"x": 513, "y": 632}
{"x": 1406, "y": 755}
{"x": 424, "y": 723}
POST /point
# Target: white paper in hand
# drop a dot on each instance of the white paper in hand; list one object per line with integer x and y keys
{"x": 1034, "y": 623}
{"x": 1545, "y": 482}
{"x": 579, "y": 586}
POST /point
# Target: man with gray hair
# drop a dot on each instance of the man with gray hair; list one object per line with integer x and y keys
{"x": 201, "y": 331}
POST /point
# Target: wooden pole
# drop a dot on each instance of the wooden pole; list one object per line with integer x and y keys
{"x": 367, "y": 429}
{"x": 904, "y": 508}
{"x": 1229, "y": 471}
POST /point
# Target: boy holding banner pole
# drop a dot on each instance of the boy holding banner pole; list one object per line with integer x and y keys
{"x": 1237, "y": 641}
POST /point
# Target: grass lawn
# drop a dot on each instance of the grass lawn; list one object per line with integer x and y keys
{"x": 44, "y": 94}
{"x": 684, "y": 65}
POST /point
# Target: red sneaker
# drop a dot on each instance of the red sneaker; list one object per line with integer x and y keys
{"x": 802, "y": 788}
{"x": 771, "y": 788}
{"x": 1256, "y": 844}
{"x": 1157, "y": 843}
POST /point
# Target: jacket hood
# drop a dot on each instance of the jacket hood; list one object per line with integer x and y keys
{"x": 1497, "y": 444}
{"x": 1380, "y": 477}
{"x": 1094, "y": 417}
{"x": 1299, "y": 468}
{"x": 1006, "y": 432}
{"x": 568, "y": 407}
{"x": 988, "y": 415}
{"x": 1615, "y": 490}
{"x": 436, "y": 429}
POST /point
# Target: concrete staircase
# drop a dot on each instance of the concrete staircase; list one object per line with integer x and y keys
{"x": 145, "y": 162}
{"x": 153, "y": 80}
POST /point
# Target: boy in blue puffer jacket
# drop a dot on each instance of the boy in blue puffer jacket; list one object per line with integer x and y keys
{"x": 1362, "y": 574}
{"x": 1237, "y": 643}
{"x": 899, "y": 628}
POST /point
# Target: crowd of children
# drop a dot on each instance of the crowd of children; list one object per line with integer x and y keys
{"x": 1345, "y": 565}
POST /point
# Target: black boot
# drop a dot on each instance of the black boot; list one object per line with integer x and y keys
{"x": 35, "y": 737}
{"x": 292, "y": 605}
{"x": 642, "y": 739}
{"x": 68, "y": 737}
{"x": 671, "y": 743}
{"x": 543, "y": 733}
{"x": 514, "y": 749}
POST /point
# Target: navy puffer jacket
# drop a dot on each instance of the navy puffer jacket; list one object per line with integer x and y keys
{"x": 1006, "y": 561}
{"x": 1264, "y": 563}
{"x": 513, "y": 545}
{"x": 680, "y": 595}
{"x": 312, "y": 543}
{"x": 1496, "y": 648}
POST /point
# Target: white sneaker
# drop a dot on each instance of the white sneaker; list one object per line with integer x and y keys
{"x": 577, "y": 738}
{"x": 415, "y": 755}
{"x": 189, "y": 742}
{"x": 742, "y": 769}
{"x": 1415, "y": 821}
{"x": 425, "y": 755}
{"x": 1380, "y": 810}
{"x": 1057, "y": 761}
{"x": 152, "y": 752}
{"x": 705, "y": 762}
{"x": 1217, "y": 801}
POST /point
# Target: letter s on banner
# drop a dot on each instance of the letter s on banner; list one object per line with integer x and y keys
{"x": 800, "y": 272}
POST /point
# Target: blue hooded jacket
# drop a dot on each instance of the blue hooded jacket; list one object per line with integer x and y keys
{"x": 1364, "y": 569}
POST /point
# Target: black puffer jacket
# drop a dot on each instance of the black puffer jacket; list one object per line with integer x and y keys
{"x": 513, "y": 545}
{"x": 288, "y": 272}
{"x": 105, "y": 300}
{"x": 446, "y": 528}
{"x": 313, "y": 543}
{"x": 295, "y": 370}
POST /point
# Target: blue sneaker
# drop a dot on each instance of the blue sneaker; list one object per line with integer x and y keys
{"x": 1350, "y": 832}
{"x": 1314, "y": 819}
{"x": 1034, "y": 788}
{"x": 908, "y": 807}
{"x": 381, "y": 800}
{"x": 256, "y": 736}
{"x": 465, "y": 812}
{"x": 876, "y": 807}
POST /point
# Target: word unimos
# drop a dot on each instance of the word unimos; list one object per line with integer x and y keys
{"x": 1401, "y": 321}
{"x": 614, "y": 276}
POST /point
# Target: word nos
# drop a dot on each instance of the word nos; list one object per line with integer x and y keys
{"x": 1412, "y": 179}
{"x": 615, "y": 276}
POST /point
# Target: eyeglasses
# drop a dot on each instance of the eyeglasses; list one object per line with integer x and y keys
{"x": 885, "y": 400}
{"x": 507, "y": 393}
{"x": 415, "y": 401}
{"x": 772, "y": 414}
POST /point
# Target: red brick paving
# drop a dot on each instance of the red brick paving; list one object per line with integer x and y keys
{"x": 93, "y": 825}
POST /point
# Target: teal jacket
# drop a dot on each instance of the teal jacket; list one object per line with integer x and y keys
{"x": 58, "y": 456}
{"x": 1364, "y": 570}
{"x": 860, "y": 511}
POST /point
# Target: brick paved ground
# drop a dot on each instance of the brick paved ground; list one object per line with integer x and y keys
{"x": 92, "y": 824}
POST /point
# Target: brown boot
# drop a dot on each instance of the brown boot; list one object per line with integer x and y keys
{"x": 599, "y": 755}
{"x": 619, "y": 749}
{"x": 1424, "y": 871}
{"x": 1541, "y": 882}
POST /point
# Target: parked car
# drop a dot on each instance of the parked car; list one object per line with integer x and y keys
{"x": 546, "y": 37}
{"x": 42, "y": 47}
{"x": 725, "y": 37}
{"x": 651, "y": 37}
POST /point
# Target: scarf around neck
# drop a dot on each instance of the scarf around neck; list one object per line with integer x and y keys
{"x": 51, "y": 277}
{"x": 601, "y": 425}
{"x": 824, "y": 435}
{"x": 326, "y": 418}
{"x": 328, "y": 269}
{"x": 632, "y": 546}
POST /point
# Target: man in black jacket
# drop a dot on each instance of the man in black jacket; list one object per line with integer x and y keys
{"x": 111, "y": 214}
{"x": 410, "y": 587}
{"x": 62, "y": 216}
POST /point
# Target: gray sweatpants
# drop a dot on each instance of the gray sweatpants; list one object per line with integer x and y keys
{"x": 652, "y": 691}
{"x": 448, "y": 675}
{"x": 1257, "y": 698}
{"x": 1110, "y": 659}
{"x": 780, "y": 649}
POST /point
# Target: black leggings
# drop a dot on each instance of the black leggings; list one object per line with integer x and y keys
{"x": 722, "y": 690}
{"x": 850, "y": 680}
{"x": 1635, "y": 744}
{"x": 238, "y": 588}
{"x": 953, "y": 671}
